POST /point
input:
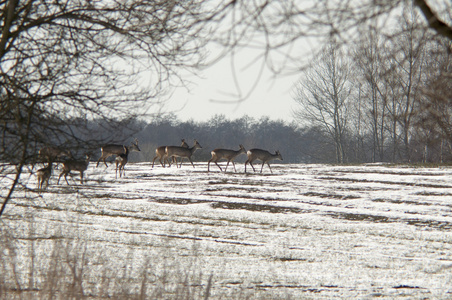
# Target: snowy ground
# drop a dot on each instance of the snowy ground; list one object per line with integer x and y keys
{"x": 315, "y": 231}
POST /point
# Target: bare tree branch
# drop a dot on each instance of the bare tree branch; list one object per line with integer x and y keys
{"x": 434, "y": 22}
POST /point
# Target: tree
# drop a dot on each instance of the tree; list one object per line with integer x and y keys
{"x": 436, "y": 104}
{"x": 277, "y": 27}
{"x": 104, "y": 59}
{"x": 61, "y": 61}
{"x": 371, "y": 65}
{"x": 324, "y": 96}
{"x": 407, "y": 64}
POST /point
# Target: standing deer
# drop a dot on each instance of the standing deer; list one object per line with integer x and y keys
{"x": 53, "y": 153}
{"x": 43, "y": 175}
{"x": 160, "y": 153}
{"x": 262, "y": 155}
{"x": 121, "y": 161}
{"x": 74, "y": 165}
{"x": 230, "y": 155}
{"x": 112, "y": 149}
{"x": 181, "y": 152}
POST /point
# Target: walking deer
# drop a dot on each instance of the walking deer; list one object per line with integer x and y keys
{"x": 112, "y": 149}
{"x": 121, "y": 161}
{"x": 74, "y": 165}
{"x": 160, "y": 153}
{"x": 230, "y": 155}
{"x": 262, "y": 155}
{"x": 181, "y": 152}
{"x": 43, "y": 175}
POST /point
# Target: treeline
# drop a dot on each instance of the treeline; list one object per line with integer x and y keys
{"x": 297, "y": 144}
{"x": 387, "y": 98}
{"x": 221, "y": 132}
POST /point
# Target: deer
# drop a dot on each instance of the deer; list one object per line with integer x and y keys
{"x": 74, "y": 165}
{"x": 230, "y": 155}
{"x": 112, "y": 149}
{"x": 262, "y": 155}
{"x": 160, "y": 153}
{"x": 181, "y": 152}
{"x": 43, "y": 175}
{"x": 52, "y": 153}
{"x": 121, "y": 161}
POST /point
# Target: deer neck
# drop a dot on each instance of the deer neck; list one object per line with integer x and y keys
{"x": 193, "y": 149}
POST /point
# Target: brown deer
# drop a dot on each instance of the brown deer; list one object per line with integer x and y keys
{"x": 121, "y": 161}
{"x": 262, "y": 155}
{"x": 43, "y": 175}
{"x": 74, "y": 165}
{"x": 230, "y": 155}
{"x": 112, "y": 149}
{"x": 181, "y": 152}
{"x": 160, "y": 153}
{"x": 51, "y": 153}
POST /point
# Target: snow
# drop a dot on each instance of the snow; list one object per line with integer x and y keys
{"x": 302, "y": 231}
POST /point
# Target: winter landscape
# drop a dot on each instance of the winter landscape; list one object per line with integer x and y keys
{"x": 303, "y": 231}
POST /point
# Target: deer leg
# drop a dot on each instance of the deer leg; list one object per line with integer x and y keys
{"x": 191, "y": 162}
{"x": 166, "y": 160}
{"x": 251, "y": 164}
{"x": 65, "y": 177}
{"x": 154, "y": 160}
{"x": 263, "y": 163}
{"x": 58, "y": 182}
{"x": 227, "y": 166}
{"x": 99, "y": 161}
{"x": 81, "y": 177}
{"x": 219, "y": 166}
{"x": 269, "y": 167}
{"x": 235, "y": 170}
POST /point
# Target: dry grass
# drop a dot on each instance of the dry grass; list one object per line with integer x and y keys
{"x": 60, "y": 268}
{"x": 66, "y": 268}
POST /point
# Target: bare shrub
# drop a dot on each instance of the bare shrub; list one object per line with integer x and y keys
{"x": 61, "y": 268}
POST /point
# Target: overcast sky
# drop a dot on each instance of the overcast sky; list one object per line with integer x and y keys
{"x": 216, "y": 93}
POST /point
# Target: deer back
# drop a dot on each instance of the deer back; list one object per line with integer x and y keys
{"x": 76, "y": 165}
{"x": 160, "y": 151}
{"x": 113, "y": 149}
{"x": 54, "y": 152}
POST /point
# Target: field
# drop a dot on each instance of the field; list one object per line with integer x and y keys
{"x": 303, "y": 231}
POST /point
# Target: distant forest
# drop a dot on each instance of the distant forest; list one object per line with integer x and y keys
{"x": 297, "y": 144}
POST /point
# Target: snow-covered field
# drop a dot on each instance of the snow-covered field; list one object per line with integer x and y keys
{"x": 312, "y": 231}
